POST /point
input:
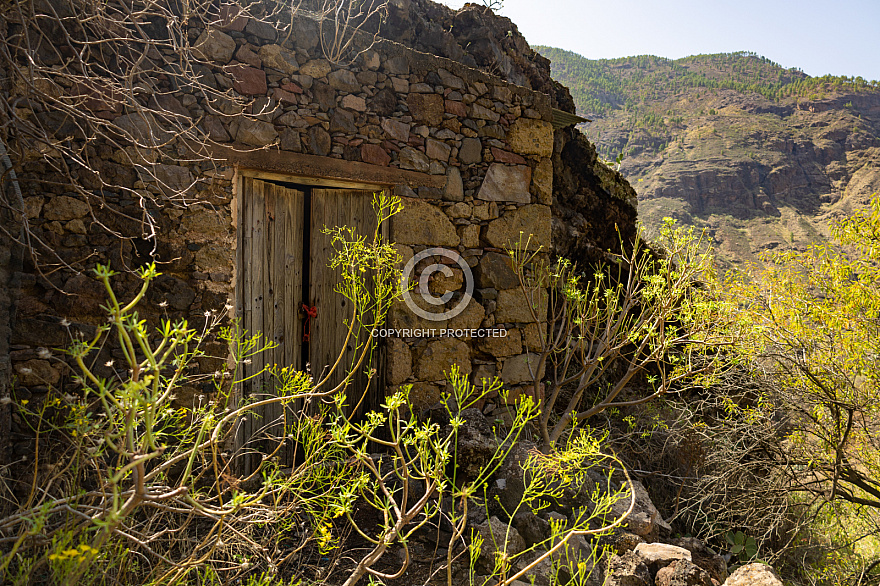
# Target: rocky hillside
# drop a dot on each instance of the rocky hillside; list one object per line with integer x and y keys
{"x": 762, "y": 156}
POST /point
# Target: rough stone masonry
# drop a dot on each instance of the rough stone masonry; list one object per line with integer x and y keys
{"x": 469, "y": 153}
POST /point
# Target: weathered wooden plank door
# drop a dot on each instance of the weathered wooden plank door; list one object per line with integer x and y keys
{"x": 330, "y": 332}
{"x": 268, "y": 287}
{"x": 283, "y": 262}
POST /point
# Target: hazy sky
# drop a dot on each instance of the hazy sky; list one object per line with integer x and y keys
{"x": 842, "y": 37}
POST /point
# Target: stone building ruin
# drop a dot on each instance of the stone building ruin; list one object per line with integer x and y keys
{"x": 473, "y": 156}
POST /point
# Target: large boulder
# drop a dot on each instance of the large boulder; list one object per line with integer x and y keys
{"x": 476, "y": 444}
{"x": 644, "y": 520}
{"x": 661, "y": 554}
{"x": 508, "y": 489}
{"x": 498, "y": 538}
{"x": 756, "y": 574}
{"x": 628, "y": 570}
{"x": 683, "y": 573}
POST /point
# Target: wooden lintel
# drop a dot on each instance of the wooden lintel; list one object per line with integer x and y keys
{"x": 311, "y": 169}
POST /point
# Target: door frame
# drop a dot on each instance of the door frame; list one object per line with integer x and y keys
{"x": 237, "y": 206}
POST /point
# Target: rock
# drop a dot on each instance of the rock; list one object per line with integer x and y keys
{"x": 344, "y": 80}
{"x": 374, "y": 154}
{"x": 455, "y": 108}
{"x": 214, "y": 45}
{"x": 284, "y": 96}
{"x": 401, "y": 316}
{"x": 342, "y": 121}
{"x": 502, "y": 347}
{"x": 315, "y": 68}
{"x": 682, "y": 573}
{"x": 255, "y": 132}
{"x": 248, "y": 81}
{"x": 277, "y": 58}
{"x": 533, "y": 334}
{"x": 476, "y": 444}
{"x": 396, "y": 129}
{"x": 756, "y": 574}
{"x": 384, "y": 103}
{"x": 470, "y": 235}
{"x": 507, "y": 157}
{"x": 482, "y": 113}
{"x": 353, "y": 102}
{"x": 370, "y": 59}
{"x": 521, "y": 369}
{"x": 64, "y": 209}
{"x": 438, "y": 357}
{"x": 319, "y": 141}
{"x": 173, "y": 179}
{"x": 397, "y": 65}
{"x": 399, "y": 361}
{"x": 704, "y": 556}
{"x": 439, "y": 284}
{"x": 215, "y": 129}
{"x": 306, "y": 35}
{"x": 513, "y": 305}
{"x": 200, "y": 224}
{"x": 453, "y": 190}
{"x": 261, "y": 29}
{"x": 661, "y": 553}
{"x": 410, "y": 158}
{"x": 143, "y": 128}
{"x": 593, "y": 207}
{"x": 541, "y": 574}
{"x": 170, "y": 104}
{"x": 401, "y": 86}
{"x": 531, "y": 137}
{"x": 437, "y": 149}
{"x": 470, "y": 318}
{"x": 450, "y": 80}
{"x": 214, "y": 258}
{"x": 530, "y": 526}
{"x": 509, "y": 488}
{"x": 33, "y": 206}
{"x": 628, "y": 570}
{"x": 517, "y": 225}
{"x": 497, "y": 536}
{"x": 506, "y": 183}
{"x": 245, "y": 55}
{"x": 471, "y": 151}
{"x": 576, "y": 552}
{"x": 542, "y": 182}
{"x": 495, "y": 271}
{"x": 176, "y": 292}
{"x": 36, "y": 373}
{"x": 623, "y": 541}
{"x": 644, "y": 520}
{"x": 459, "y": 210}
{"x": 426, "y": 108}
{"x": 324, "y": 95}
{"x": 423, "y": 395}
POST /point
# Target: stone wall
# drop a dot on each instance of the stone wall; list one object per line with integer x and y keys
{"x": 469, "y": 154}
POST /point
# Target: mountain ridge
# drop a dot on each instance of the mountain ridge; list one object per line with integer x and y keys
{"x": 761, "y": 156}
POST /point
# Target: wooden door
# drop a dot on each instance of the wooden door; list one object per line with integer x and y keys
{"x": 269, "y": 285}
{"x": 331, "y": 343}
{"x": 283, "y": 259}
